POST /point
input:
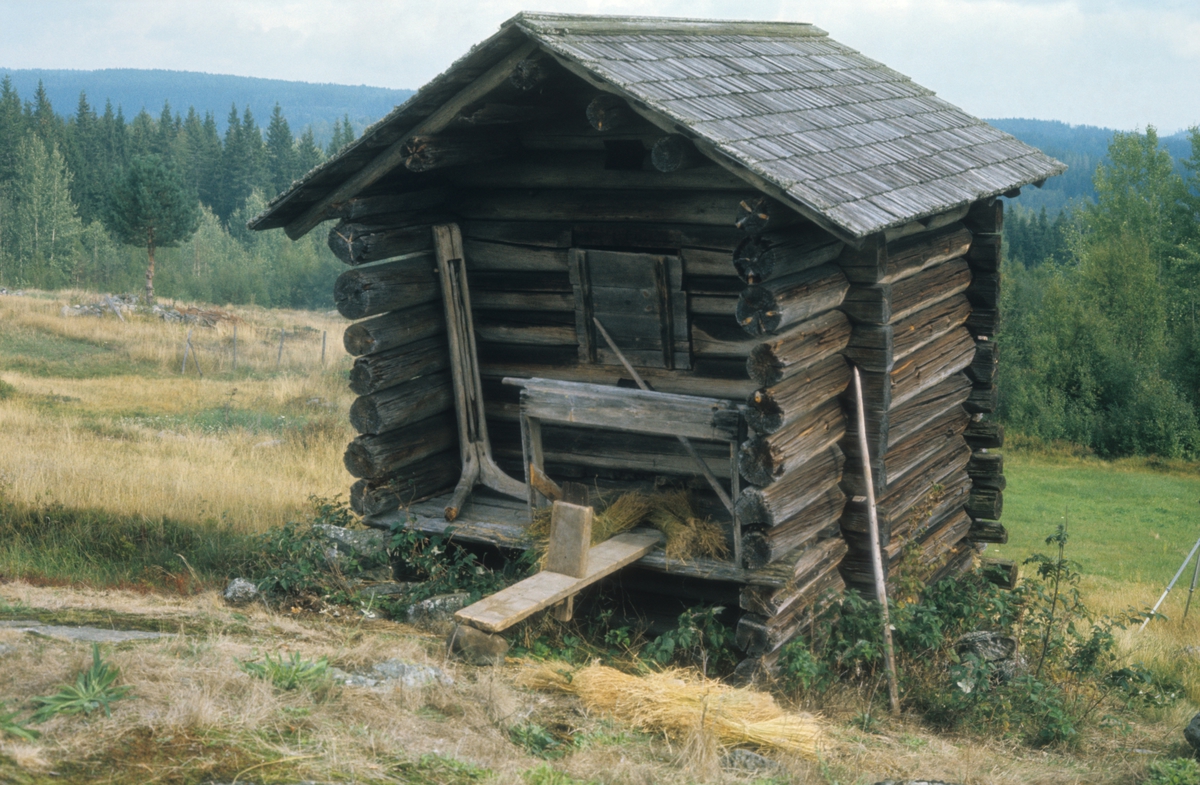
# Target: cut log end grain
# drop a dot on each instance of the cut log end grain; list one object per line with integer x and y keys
{"x": 531, "y": 73}
{"x": 674, "y": 153}
{"x": 608, "y": 113}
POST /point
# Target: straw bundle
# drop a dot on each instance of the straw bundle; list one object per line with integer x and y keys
{"x": 625, "y": 512}
{"x": 679, "y": 703}
{"x": 687, "y": 535}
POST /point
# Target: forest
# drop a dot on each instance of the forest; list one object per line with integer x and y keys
{"x": 61, "y": 223}
{"x": 1099, "y": 343}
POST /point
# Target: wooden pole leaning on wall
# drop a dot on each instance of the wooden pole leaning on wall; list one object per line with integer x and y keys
{"x": 479, "y": 468}
{"x": 889, "y": 654}
{"x": 235, "y": 346}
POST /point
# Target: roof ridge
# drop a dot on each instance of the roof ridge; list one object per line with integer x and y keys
{"x": 603, "y": 24}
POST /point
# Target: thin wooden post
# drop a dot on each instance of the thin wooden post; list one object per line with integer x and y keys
{"x": 324, "y": 333}
{"x": 195, "y": 357}
{"x": 889, "y": 655}
{"x": 279, "y": 357}
{"x": 187, "y": 345}
{"x": 235, "y": 346}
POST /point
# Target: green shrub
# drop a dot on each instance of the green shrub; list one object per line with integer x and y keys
{"x": 11, "y": 726}
{"x": 700, "y": 639}
{"x": 1180, "y": 771}
{"x": 94, "y": 688}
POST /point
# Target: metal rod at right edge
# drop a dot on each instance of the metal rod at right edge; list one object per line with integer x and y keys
{"x": 889, "y": 655}
{"x": 1171, "y": 585}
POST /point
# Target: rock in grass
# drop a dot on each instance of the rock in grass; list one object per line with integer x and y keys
{"x": 438, "y": 609}
{"x": 240, "y": 592}
{"x": 745, "y": 760}
{"x": 1192, "y": 733}
{"x": 476, "y": 647}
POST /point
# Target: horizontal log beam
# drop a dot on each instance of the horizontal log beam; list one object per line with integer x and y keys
{"x": 392, "y": 286}
{"x": 988, "y": 531}
{"x": 425, "y": 478}
{"x": 761, "y": 257}
{"x": 696, "y": 207}
{"x": 787, "y": 497}
{"x": 392, "y": 330}
{"x": 798, "y": 348}
{"x": 385, "y": 454}
{"x": 888, "y": 303}
{"x": 780, "y": 303}
{"x": 881, "y": 262}
{"x": 771, "y": 408}
{"x": 357, "y": 243}
{"x": 375, "y": 372}
{"x": 983, "y": 435}
{"x": 408, "y": 402}
{"x": 763, "y": 459}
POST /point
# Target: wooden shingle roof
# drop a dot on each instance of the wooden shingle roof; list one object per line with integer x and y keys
{"x": 842, "y": 138}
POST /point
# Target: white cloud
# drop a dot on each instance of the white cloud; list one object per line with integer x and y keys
{"x": 1120, "y": 63}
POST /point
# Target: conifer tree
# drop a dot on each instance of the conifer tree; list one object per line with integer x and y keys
{"x": 152, "y": 207}
{"x": 12, "y": 129}
{"x": 281, "y": 152}
{"x": 308, "y": 153}
{"x": 44, "y": 222}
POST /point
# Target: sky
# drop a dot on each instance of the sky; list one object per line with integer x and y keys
{"x": 1113, "y": 63}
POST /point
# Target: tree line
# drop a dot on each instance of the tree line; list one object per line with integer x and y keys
{"x": 74, "y": 191}
{"x": 1099, "y": 342}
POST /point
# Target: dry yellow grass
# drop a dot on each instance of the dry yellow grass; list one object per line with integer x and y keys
{"x": 249, "y": 447}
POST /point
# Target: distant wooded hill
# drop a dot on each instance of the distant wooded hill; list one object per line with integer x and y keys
{"x": 1082, "y": 148}
{"x": 304, "y": 104}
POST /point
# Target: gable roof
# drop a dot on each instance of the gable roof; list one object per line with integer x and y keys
{"x": 843, "y": 139}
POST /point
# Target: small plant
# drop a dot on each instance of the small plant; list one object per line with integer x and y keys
{"x": 1180, "y": 771}
{"x": 288, "y": 673}
{"x": 11, "y": 726}
{"x": 536, "y": 740}
{"x": 700, "y": 639}
{"x": 442, "y": 566}
{"x": 94, "y": 688}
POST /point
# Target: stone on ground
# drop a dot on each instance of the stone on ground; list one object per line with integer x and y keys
{"x": 240, "y": 592}
{"x": 476, "y": 647}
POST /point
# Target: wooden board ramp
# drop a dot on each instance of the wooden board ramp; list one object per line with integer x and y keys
{"x": 538, "y": 592}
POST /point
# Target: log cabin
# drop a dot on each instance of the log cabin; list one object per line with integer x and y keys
{"x": 732, "y": 214}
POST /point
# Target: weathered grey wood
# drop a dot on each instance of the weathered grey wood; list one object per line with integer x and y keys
{"x": 533, "y": 72}
{"x": 358, "y": 243}
{"x": 983, "y": 400}
{"x": 877, "y": 348}
{"x": 627, "y": 234}
{"x": 982, "y": 435}
{"x": 936, "y": 436}
{"x": 988, "y": 531}
{"x": 986, "y": 252}
{"x": 489, "y": 256}
{"x": 724, "y": 306}
{"x": 695, "y": 207}
{"x": 361, "y": 207}
{"x": 622, "y": 409}
{"x": 541, "y": 234}
{"x": 895, "y": 503}
{"x": 888, "y": 303}
{"x": 674, "y": 153}
{"x": 375, "y": 372}
{"x": 765, "y": 458}
{"x": 985, "y": 463}
{"x": 817, "y": 521}
{"x": 986, "y": 216}
{"x": 984, "y": 291}
{"x": 761, "y": 257}
{"x": 367, "y": 291}
{"x": 985, "y": 503}
{"x": 525, "y": 328}
{"x": 780, "y": 303}
{"x": 408, "y": 402}
{"x": 926, "y": 367}
{"x": 393, "y": 330}
{"x": 879, "y": 262}
{"x": 521, "y": 600}
{"x": 679, "y": 382}
{"x": 758, "y": 636}
{"x": 414, "y": 482}
{"x": 385, "y": 454}
{"x": 772, "y": 408}
{"x": 982, "y": 370}
{"x": 585, "y": 169}
{"x": 429, "y": 152}
{"x": 523, "y": 301}
{"x": 791, "y": 494}
{"x": 492, "y": 114}
{"x": 798, "y": 348}
{"x": 888, "y": 428}
{"x": 395, "y": 154}
{"x": 607, "y": 112}
{"x": 818, "y": 560}
{"x": 758, "y": 214}
{"x": 720, "y": 337}
{"x": 983, "y": 322}
{"x": 570, "y": 539}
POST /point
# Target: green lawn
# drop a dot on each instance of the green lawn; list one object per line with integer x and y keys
{"x": 1127, "y": 521}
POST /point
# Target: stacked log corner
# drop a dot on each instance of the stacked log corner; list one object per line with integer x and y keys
{"x": 407, "y": 448}
{"x": 792, "y": 462}
{"x": 923, "y": 307}
{"x": 986, "y": 468}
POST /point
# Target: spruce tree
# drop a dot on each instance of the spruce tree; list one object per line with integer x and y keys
{"x": 12, "y": 129}
{"x": 152, "y": 207}
{"x": 308, "y": 153}
{"x": 281, "y": 152}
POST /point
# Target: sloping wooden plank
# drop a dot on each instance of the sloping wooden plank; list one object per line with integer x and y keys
{"x": 521, "y": 600}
